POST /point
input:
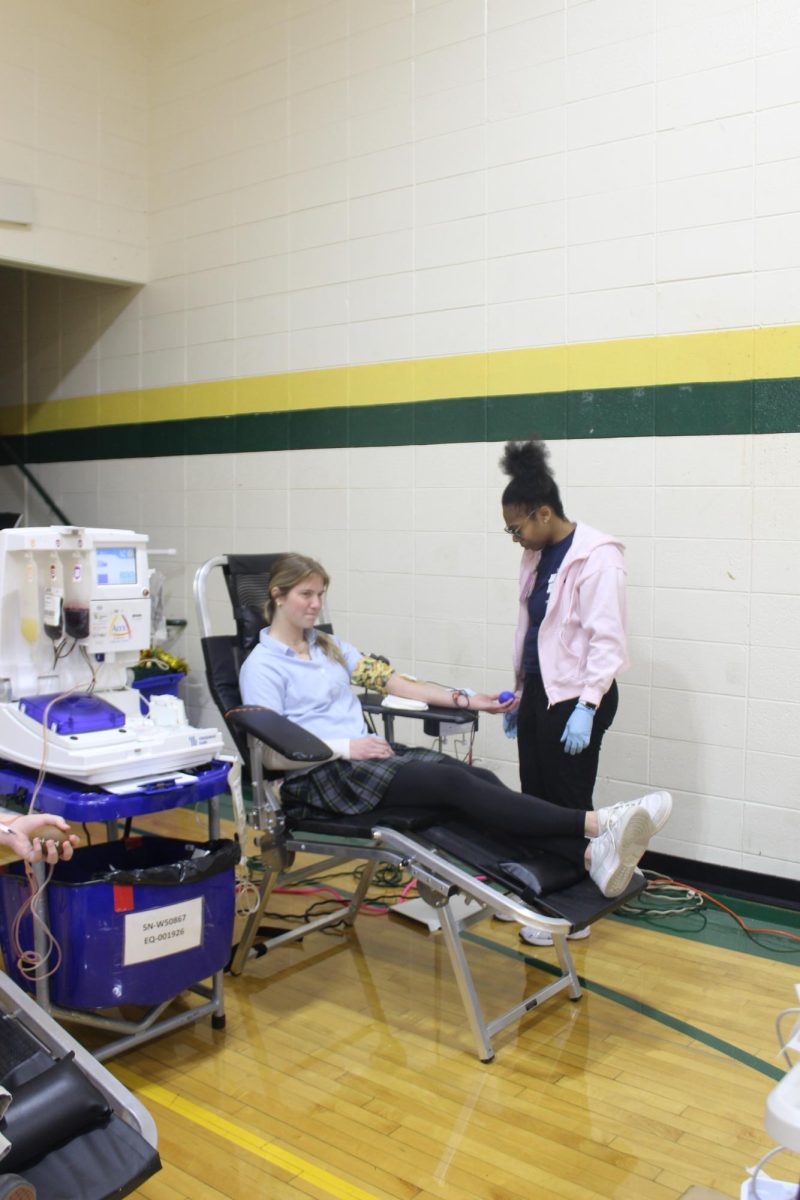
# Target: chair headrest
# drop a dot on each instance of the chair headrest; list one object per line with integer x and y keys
{"x": 247, "y": 579}
{"x": 249, "y": 623}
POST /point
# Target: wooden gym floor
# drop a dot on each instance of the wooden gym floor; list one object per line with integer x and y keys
{"x": 346, "y": 1070}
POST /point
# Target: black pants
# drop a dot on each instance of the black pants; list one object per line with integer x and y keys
{"x": 453, "y": 788}
{"x": 544, "y": 768}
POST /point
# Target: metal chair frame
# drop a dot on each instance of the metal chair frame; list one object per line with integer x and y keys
{"x": 439, "y": 877}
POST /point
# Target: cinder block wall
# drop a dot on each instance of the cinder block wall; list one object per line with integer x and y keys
{"x": 385, "y": 236}
{"x": 73, "y": 129}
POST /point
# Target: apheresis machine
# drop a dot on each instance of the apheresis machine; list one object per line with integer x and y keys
{"x": 77, "y": 739}
{"x": 75, "y": 617}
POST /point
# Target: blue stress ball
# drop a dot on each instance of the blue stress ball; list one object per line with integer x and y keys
{"x": 505, "y": 696}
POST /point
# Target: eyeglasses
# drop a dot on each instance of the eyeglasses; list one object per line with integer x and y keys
{"x": 514, "y": 530}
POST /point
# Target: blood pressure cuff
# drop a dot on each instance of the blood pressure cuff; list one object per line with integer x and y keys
{"x": 373, "y": 673}
{"x": 48, "y": 1110}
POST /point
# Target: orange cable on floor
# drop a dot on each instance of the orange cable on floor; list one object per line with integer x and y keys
{"x": 713, "y": 900}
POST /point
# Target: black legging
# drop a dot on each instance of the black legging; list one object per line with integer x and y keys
{"x": 544, "y": 768}
{"x": 478, "y": 795}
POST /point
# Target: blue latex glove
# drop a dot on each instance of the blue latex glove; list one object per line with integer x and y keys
{"x": 578, "y": 729}
{"x": 510, "y": 723}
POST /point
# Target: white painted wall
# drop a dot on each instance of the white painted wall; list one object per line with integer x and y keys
{"x": 422, "y": 573}
{"x": 73, "y": 128}
{"x": 365, "y": 180}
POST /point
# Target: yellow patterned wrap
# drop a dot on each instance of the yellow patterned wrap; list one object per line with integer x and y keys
{"x": 169, "y": 662}
{"x": 372, "y": 673}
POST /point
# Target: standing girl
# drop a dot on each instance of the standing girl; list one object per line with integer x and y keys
{"x": 570, "y": 642}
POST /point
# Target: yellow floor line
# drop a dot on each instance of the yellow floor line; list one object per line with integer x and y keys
{"x": 251, "y": 1142}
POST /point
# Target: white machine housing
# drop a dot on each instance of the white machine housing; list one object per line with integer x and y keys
{"x": 117, "y": 592}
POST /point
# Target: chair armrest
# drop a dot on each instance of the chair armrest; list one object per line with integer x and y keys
{"x": 372, "y": 703}
{"x": 279, "y": 733}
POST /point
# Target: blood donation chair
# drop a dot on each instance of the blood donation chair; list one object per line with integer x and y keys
{"x": 448, "y": 858}
{"x": 74, "y": 1132}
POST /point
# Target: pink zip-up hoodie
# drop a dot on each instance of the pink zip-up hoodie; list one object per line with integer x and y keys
{"x": 583, "y": 637}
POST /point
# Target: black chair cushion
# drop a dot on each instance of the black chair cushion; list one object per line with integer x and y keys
{"x": 529, "y": 871}
{"x": 104, "y": 1163}
{"x": 360, "y": 825}
{"x": 48, "y": 1110}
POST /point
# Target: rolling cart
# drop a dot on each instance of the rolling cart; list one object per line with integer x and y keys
{"x": 138, "y": 921}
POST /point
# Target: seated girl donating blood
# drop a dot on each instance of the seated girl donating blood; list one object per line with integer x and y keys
{"x": 305, "y": 675}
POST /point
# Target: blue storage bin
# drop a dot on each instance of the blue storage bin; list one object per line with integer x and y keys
{"x": 156, "y": 685}
{"x": 138, "y": 921}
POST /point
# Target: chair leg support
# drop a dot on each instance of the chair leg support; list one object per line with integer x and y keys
{"x": 569, "y": 976}
{"x": 466, "y": 987}
{"x": 253, "y": 921}
{"x": 351, "y": 912}
{"x": 272, "y": 876}
{"x": 483, "y": 1031}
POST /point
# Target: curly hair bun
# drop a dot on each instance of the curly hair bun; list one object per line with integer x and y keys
{"x": 532, "y": 481}
{"x": 522, "y": 459}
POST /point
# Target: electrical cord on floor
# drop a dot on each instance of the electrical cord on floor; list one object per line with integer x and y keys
{"x": 387, "y": 876}
{"x": 662, "y": 898}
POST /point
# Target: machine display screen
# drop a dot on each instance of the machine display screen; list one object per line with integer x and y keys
{"x": 116, "y": 565}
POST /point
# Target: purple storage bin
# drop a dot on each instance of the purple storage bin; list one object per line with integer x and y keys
{"x": 137, "y": 921}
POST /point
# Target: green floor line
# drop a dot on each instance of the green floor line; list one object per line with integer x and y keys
{"x": 646, "y": 1010}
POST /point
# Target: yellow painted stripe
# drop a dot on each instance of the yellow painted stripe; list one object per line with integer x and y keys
{"x": 253, "y": 1143}
{"x": 769, "y": 353}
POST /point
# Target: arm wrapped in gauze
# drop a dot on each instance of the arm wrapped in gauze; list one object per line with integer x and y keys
{"x": 373, "y": 673}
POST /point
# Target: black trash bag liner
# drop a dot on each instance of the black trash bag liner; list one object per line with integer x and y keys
{"x": 144, "y": 861}
{"x": 48, "y": 1110}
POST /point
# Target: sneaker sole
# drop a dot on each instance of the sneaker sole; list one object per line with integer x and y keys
{"x": 631, "y": 845}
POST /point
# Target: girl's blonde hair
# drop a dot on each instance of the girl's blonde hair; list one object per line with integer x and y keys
{"x": 287, "y": 573}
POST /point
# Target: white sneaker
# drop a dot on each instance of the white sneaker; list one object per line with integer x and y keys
{"x": 615, "y": 853}
{"x": 540, "y": 937}
{"x": 498, "y": 916}
{"x": 657, "y": 805}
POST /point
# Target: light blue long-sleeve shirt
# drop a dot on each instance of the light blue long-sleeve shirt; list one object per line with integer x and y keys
{"x": 314, "y": 693}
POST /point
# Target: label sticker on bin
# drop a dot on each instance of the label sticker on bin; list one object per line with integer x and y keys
{"x": 158, "y": 932}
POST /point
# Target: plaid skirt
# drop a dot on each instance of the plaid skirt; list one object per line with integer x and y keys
{"x": 348, "y": 787}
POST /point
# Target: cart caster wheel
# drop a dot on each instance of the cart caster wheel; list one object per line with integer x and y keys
{"x": 218, "y": 1022}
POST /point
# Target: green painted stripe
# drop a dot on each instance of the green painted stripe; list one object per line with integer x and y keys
{"x": 759, "y": 406}
{"x": 646, "y": 1010}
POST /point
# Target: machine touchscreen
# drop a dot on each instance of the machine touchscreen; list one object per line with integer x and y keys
{"x": 116, "y": 566}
